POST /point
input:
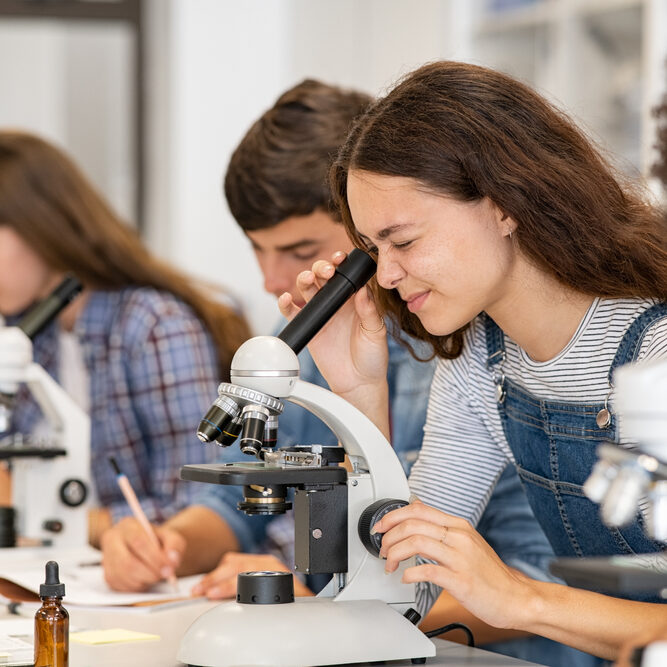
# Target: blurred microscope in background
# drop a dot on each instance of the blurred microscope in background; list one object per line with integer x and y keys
{"x": 625, "y": 482}
{"x": 50, "y": 478}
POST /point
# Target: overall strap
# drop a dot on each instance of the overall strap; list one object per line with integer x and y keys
{"x": 629, "y": 348}
{"x": 495, "y": 342}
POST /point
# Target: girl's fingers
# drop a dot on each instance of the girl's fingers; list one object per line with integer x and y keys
{"x": 323, "y": 270}
{"x": 338, "y": 257}
{"x": 428, "y": 572}
{"x": 422, "y": 512}
{"x": 419, "y": 545}
{"x": 372, "y": 325}
{"x": 288, "y": 309}
{"x": 411, "y": 527}
{"x": 307, "y": 284}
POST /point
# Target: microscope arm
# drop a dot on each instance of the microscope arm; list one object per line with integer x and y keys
{"x": 52, "y": 399}
{"x": 363, "y": 442}
{"x": 377, "y": 475}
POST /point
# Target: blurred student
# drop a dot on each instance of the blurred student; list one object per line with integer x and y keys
{"x": 142, "y": 349}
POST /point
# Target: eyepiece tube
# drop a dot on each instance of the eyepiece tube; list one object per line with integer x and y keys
{"x": 44, "y": 312}
{"x": 350, "y": 276}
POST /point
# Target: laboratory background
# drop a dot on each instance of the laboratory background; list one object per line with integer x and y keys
{"x": 151, "y": 96}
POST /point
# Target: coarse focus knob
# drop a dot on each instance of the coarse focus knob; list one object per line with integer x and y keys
{"x": 370, "y": 516}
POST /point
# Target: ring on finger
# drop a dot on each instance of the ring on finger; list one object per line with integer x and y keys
{"x": 444, "y": 534}
{"x": 372, "y": 331}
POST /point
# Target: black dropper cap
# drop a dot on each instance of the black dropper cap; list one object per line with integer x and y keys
{"x": 52, "y": 586}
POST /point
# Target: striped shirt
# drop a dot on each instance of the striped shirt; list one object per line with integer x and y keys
{"x": 465, "y": 449}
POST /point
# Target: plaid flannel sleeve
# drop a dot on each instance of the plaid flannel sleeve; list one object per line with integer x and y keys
{"x": 172, "y": 379}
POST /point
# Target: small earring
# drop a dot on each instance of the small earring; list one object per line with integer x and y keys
{"x": 510, "y": 235}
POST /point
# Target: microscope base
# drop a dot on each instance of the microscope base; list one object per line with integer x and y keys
{"x": 309, "y": 631}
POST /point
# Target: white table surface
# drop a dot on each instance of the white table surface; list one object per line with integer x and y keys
{"x": 172, "y": 623}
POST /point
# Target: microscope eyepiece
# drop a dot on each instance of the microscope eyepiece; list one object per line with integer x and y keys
{"x": 352, "y": 274}
{"x": 44, "y": 312}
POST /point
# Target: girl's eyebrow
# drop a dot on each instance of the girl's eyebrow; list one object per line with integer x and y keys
{"x": 387, "y": 231}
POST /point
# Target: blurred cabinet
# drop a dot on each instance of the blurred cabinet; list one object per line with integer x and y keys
{"x": 603, "y": 61}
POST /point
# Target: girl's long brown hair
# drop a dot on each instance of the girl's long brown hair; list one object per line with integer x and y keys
{"x": 48, "y": 201}
{"x": 469, "y": 132}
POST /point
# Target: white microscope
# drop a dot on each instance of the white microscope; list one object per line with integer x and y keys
{"x": 624, "y": 480}
{"x": 50, "y": 480}
{"x": 363, "y": 614}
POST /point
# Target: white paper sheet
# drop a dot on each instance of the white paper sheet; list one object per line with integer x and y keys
{"x": 16, "y": 643}
{"x": 84, "y": 583}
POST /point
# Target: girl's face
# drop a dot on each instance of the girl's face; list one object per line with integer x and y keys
{"x": 24, "y": 277}
{"x": 448, "y": 260}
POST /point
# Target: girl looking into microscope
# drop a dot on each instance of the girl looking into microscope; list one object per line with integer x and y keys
{"x": 143, "y": 348}
{"x": 507, "y": 242}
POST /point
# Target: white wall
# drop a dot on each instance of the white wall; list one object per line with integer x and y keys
{"x": 72, "y": 84}
{"x": 214, "y": 67}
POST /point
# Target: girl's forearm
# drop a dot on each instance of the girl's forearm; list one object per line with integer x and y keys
{"x": 591, "y": 622}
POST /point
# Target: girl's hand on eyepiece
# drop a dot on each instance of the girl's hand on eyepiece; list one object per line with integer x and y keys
{"x": 351, "y": 350}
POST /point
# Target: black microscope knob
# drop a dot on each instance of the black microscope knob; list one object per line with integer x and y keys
{"x": 265, "y": 587}
{"x": 73, "y": 492}
{"x": 370, "y": 516}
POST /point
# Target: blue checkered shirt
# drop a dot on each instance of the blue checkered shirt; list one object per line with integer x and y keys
{"x": 153, "y": 373}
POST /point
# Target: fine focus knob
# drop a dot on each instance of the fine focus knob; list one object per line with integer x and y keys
{"x": 265, "y": 587}
{"x": 370, "y": 516}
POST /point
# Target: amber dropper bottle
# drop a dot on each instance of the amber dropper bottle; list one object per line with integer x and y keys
{"x": 51, "y": 622}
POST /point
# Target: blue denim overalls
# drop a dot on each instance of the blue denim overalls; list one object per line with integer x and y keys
{"x": 554, "y": 445}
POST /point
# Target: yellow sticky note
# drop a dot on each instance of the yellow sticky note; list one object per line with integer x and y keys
{"x": 111, "y": 636}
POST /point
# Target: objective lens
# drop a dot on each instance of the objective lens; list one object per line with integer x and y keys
{"x": 597, "y": 485}
{"x": 230, "y": 433}
{"x": 217, "y": 420}
{"x": 271, "y": 431}
{"x": 620, "y": 504}
{"x": 254, "y": 419}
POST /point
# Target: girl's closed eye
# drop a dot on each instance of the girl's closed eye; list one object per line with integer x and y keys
{"x": 401, "y": 246}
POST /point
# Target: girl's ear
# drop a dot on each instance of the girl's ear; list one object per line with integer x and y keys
{"x": 506, "y": 225}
